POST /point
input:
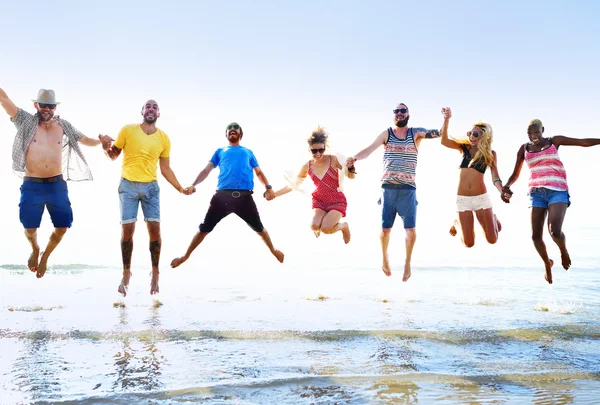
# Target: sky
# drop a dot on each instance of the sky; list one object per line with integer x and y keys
{"x": 282, "y": 68}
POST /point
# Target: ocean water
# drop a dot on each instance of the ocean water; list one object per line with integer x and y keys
{"x": 229, "y": 331}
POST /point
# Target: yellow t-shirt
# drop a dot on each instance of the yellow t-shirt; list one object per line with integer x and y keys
{"x": 141, "y": 152}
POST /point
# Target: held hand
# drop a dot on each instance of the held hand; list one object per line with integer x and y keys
{"x": 106, "y": 141}
{"x": 350, "y": 162}
{"x": 506, "y": 194}
{"x": 269, "y": 194}
{"x": 189, "y": 190}
{"x": 447, "y": 113}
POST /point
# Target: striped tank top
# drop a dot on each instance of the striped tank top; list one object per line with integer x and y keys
{"x": 400, "y": 159}
{"x": 546, "y": 169}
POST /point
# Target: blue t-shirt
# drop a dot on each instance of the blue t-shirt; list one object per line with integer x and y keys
{"x": 236, "y": 165}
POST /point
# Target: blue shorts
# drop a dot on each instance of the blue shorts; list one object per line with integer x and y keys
{"x": 402, "y": 201}
{"x": 52, "y": 193}
{"x": 132, "y": 193}
{"x": 541, "y": 197}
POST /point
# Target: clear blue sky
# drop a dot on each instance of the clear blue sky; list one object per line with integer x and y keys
{"x": 280, "y": 68}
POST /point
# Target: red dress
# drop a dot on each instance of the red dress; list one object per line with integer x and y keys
{"x": 327, "y": 196}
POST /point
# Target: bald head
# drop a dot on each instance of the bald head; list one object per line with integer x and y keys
{"x": 150, "y": 111}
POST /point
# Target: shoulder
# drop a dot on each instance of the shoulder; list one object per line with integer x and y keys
{"x": 129, "y": 128}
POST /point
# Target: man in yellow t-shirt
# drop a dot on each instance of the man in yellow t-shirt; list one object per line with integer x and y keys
{"x": 143, "y": 146}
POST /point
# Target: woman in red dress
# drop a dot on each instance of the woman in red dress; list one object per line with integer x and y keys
{"x": 328, "y": 200}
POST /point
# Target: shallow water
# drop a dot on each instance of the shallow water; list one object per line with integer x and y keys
{"x": 299, "y": 335}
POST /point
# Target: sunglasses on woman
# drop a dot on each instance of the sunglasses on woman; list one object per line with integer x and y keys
{"x": 474, "y": 134}
{"x": 319, "y": 150}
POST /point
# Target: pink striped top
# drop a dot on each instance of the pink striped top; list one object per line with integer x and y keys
{"x": 546, "y": 169}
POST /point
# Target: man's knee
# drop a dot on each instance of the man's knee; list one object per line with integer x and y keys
{"x": 386, "y": 231}
{"x": 60, "y": 231}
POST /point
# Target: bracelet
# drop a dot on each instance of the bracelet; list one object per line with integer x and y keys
{"x": 497, "y": 179}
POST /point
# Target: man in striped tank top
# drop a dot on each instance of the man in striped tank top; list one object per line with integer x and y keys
{"x": 548, "y": 190}
{"x": 401, "y": 144}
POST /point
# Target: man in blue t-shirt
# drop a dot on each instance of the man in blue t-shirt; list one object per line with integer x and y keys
{"x": 234, "y": 191}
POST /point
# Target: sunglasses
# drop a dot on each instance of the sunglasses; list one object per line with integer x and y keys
{"x": 233, "y": 126}
{"x": 49, "y": 106}
{"x": 400, "y": 110}
{"x": 474, "y": 134}
{"x": 315, "y": 151}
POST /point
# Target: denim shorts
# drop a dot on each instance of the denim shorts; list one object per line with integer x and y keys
{"x": 541, "y": 197}
{"x": 54, "y": 196}
{"x": 401, "y": 201}
{"x": 132, "y": 193}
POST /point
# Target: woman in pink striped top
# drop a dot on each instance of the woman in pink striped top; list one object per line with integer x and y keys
{"x": 548, "y": 190}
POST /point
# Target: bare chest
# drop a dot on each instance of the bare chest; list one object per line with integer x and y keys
{"x": 319, "y": 169}
{"x": 47, "y": 137}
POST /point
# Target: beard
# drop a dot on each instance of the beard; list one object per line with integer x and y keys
{"x": 150, "y": 120}
{"x": 45, "y": 119}
{"x": 403, "y": 123}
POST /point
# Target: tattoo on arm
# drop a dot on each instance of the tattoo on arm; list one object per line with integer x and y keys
{"x": 432, "y": 133}
{"x": 155, "y": 252}
{"x": 126, "y": 250}
{"x": 113, "y": 152}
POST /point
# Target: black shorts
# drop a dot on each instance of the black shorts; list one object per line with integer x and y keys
{"x": 225, "y": 202}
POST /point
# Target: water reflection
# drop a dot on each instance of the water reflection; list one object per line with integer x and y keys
{"x": 38, "y": 369}
{"x": 138, "y": 363}
{"x": 396, "y": 392}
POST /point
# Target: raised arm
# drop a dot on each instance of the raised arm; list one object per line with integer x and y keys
{"x": 299, "y": 179}
{"x": 445, "y": 139}
{"x": 338, "y": 165}
{"x": 559, "y": 140}
{"x": 506, "y": 192}
{"x": 495, "y": 174}
{"x": 365, "y": 153}
{"x": 167, "y": 172}
{"x": 10, "y": 107}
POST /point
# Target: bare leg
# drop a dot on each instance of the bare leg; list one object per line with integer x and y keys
{"x": 316, "y": 221}
{"x": 55, "y": 239}
{"x": 467, "y": 222}
{"x": 410, "y": 239}
{"x": 487, "y": 220}
{"x": 331, "y": 224}
{"x": 556, "y": 216}
{"x": 127, "y": 231}
{"x": 155, "y": 245}
{"x": 385, "y": 241}
{"x": 538, "y": 215}
{"x": 267, "y": 239}
{"x": 32, "y": 262}
{"x": 196, "y": 240}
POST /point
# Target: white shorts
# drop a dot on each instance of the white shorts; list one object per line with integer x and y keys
{"x": 474, "y": 203}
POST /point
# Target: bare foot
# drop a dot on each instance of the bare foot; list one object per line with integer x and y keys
{"x": 386, "y": 267}
{"x": 498, "y": 224}
{"x": 548, "y": 275}
{"x": 154, "y": 283}
{"x": 32, "y": 262}
{"x": 453, "y": 228}
{"x": 178, "y": 261}
{"x": 124, "y": 286}
{"x": 407, "y": 272}
{"x": 565, "y": 259}
{"x": 317, "y": 233}
{"x": 279, "y": 255}
{"x": 42, "y": 266}
{"x": 346, "y": 232}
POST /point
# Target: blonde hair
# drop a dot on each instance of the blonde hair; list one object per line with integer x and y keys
{"x": 537, "y": 123}
{"x": 484, "y": 144}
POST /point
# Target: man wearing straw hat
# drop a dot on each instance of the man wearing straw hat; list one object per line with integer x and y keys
{"x": 38, "y": 157}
